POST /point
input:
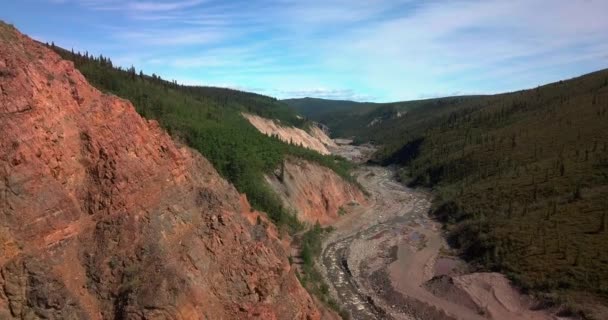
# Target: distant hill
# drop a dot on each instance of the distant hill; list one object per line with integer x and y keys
{"x": 315, "y": 108}
{"x": 521, "y": 180}
{"x": 360, "y": 119}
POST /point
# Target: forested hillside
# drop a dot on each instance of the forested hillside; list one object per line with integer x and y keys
{"x": 363, "y": 119}
{"x": 522, "y": 181}
{"x": 209, "y": 119}
{"x": 316, "y": 108}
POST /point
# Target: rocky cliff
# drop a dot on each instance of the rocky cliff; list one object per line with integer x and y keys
{"x": 315, "y": 140}
{"x": 103, "y": 216}
{"x": 315, "y": 192}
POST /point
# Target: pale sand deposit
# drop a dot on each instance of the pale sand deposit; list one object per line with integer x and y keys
{"x": 315, "y": 140}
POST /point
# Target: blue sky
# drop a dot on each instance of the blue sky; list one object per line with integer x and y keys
{"x": 342, "y": 49}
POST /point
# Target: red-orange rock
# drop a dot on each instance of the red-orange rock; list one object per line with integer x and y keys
{"x": 314, "y": 192}
{"x": 102, "y": 215}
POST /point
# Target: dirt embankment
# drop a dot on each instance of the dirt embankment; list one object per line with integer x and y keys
{"x": 314, "y": 192}
{"x": 315, "y": 140}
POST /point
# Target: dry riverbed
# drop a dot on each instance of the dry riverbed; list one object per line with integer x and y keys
{"x": 388, "y": 260}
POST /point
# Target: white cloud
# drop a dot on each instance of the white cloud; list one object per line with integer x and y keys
{"x": 162, "y": 6}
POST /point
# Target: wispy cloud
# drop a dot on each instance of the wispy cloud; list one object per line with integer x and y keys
{"x": 131, "y": 7}
{"x": 358, "y": 49}
{"x": 161, "y": 6}
{"x": 451, "y": 45}
{"x": 172, "y": 37}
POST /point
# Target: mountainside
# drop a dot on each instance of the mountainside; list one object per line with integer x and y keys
{"x": 211, "y": 121}
{"x": 104, "y": 216}
{"x": 522, "y": 182}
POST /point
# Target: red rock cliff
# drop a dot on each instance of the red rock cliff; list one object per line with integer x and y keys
{"x": 103, "y": 216}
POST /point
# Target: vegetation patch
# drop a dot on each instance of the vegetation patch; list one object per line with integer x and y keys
{"x": 311, "y": 278}
{"x": 7, "y": 31}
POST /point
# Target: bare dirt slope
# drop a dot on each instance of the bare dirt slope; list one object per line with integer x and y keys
{"x": 103, "y": 216}
{"x": 314, "y": 192}
{"x": 386, "y": 261}
{"x": 315, "y": 140}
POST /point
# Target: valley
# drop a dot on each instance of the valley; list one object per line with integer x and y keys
{"x": 126, "y": 195}
{"x": 388, "y": 260}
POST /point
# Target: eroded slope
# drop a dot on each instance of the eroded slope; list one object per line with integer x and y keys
{"x": 317, "y": 140}
{"x": 315, "y": 192}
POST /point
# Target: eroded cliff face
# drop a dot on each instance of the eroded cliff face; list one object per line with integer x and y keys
{"x": 102, "y": 215}
{"x": 315, "y": 192}
{"x": 315, "y": 140}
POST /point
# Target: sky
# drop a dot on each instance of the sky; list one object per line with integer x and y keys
{"x": 364, "y": 50}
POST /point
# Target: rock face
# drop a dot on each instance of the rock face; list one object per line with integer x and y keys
{"x": 315, "y": 140}
{"x": 316, "y": 193}
{"x": 103, "y": 216}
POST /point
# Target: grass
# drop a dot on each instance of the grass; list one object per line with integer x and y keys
{"x": 7, "y": 31}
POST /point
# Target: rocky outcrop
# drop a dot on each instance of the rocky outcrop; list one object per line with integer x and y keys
{"x": 314, "y": 192}
{"x": 315, "y": 140}
{"x": 103, "y": 216}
